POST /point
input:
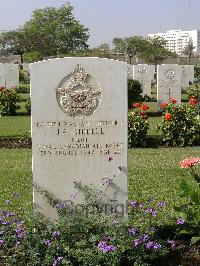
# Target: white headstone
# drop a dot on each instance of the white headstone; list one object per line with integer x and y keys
{"x": 185, "y": 76}
{"x": 130, "y": 71}
{"x": 12, "y": 75}
{"x": 2, "y": 75}
{"x": 144, "y": 74}
{"x": 191, "y": 73}
{"x": 169, "y": 78}
{"x": 79, "y": 127}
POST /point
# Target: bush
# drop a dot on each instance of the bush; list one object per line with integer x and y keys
{"x": 28, "y": 106}
{"x": 189, "y": 214}
{"x": 24, "y": 77}
{"x": 137, "y": 126}
{"x": 81, "y": 238}
{"x": 134, "y": 91}
{"x": 23, "y": 88}
{"x": 180, "y": 124}
{"x": 9, "y": 100}
{"x": 193, "y": 90}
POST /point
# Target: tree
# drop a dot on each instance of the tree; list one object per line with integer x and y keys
{"x": 13, "y": 42}
{"x": 132, "y": 46}
{"x": 155, "y": 51}
{"x": 135, "y": 46}
{"x": 119, "y": 46}
{"x": 189, "y": 50}
{"x": 50, "y": 31}
{"x": 104, "y": 47}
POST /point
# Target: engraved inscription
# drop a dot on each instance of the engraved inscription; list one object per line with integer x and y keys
{"x": 170, "y": 74}
{"x": 78, "y": 94}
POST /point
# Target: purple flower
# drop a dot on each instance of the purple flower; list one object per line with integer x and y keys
{"x": 3, "y": 212}
{"x": 56, "y": 234}
{"x": 157, "y": 246}
{"x": 47, "y": 242}
{"x": 110, "y": 159}
{"x": 180, "y": 221}
{"x": 5, "y": 222}
{"x": 151, "y": 211}
{"x": 10, "y": 214}
{"x": 61, "y": 205}
{"x": 161, "y": 204}
{"x": 172, "y": 243}
{"x": 154, "y": 213}
{"x": 152, "y": 245}
{"x": 144, "y": 237}
{"x": 104, "y": 247}
{"x": 141, "y": 205}
{"x": 1, "y": 241}
{"x": 132, "y": 231}
{"x": 136, "y": 242}
{"x": 21, "y": 235}
{"x": 57, "y": 261}
{"x": 133, "y": 203}
{"x": 74, "y": 195}
{"x": 20, "y": 223}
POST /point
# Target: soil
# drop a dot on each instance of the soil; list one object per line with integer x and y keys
{"x": 12, "y": 143}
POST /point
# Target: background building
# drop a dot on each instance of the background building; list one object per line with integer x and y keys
{"x": 177, "y": 40}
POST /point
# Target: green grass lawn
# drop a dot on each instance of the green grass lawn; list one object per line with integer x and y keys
{"x": 14, "y": 126}
{"x": 153, "y": 173}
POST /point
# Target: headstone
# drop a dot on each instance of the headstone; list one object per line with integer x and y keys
{"x": 79, "y": 127}
{"x": 130, "y": 71}
{"x": 187, "y": 75}
{"x": 169, "y": 82}
{"x": 191, "y": 73}
{"x": 12, "y": 75}
{"x": 2, "y": 75}
{"x": 144, "y": 74}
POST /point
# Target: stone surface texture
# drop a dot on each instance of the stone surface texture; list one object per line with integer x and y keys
{"x": 12, "y": 75}
{"x": 145, "y": 75}
{"x": 79, "y": 128}
{"x": 169, "y": 78}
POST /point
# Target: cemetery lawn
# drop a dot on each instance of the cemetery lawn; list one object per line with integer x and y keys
{"x": 14, "y": 126}
{"x": 153, "y": 174}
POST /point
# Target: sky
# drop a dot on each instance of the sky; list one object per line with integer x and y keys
{"x": 107, "y": 19}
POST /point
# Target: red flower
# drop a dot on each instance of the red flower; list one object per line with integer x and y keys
{"x": 163, "y": 105}
{"x": 172, "y": 100}
{"x": 168, "y": 116}
{"x": 144, "y": 107}
{"x": 193, "y": 101}
{"x": 136, "y": 105}
{"x": 189, "y": 162}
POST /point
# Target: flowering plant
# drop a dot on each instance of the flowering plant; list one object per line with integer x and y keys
{"x": 9, "y": 100}
{"x": 190, "y": 189}
{"x": 180, "y": 124}
{"x": 137, "y": 125}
